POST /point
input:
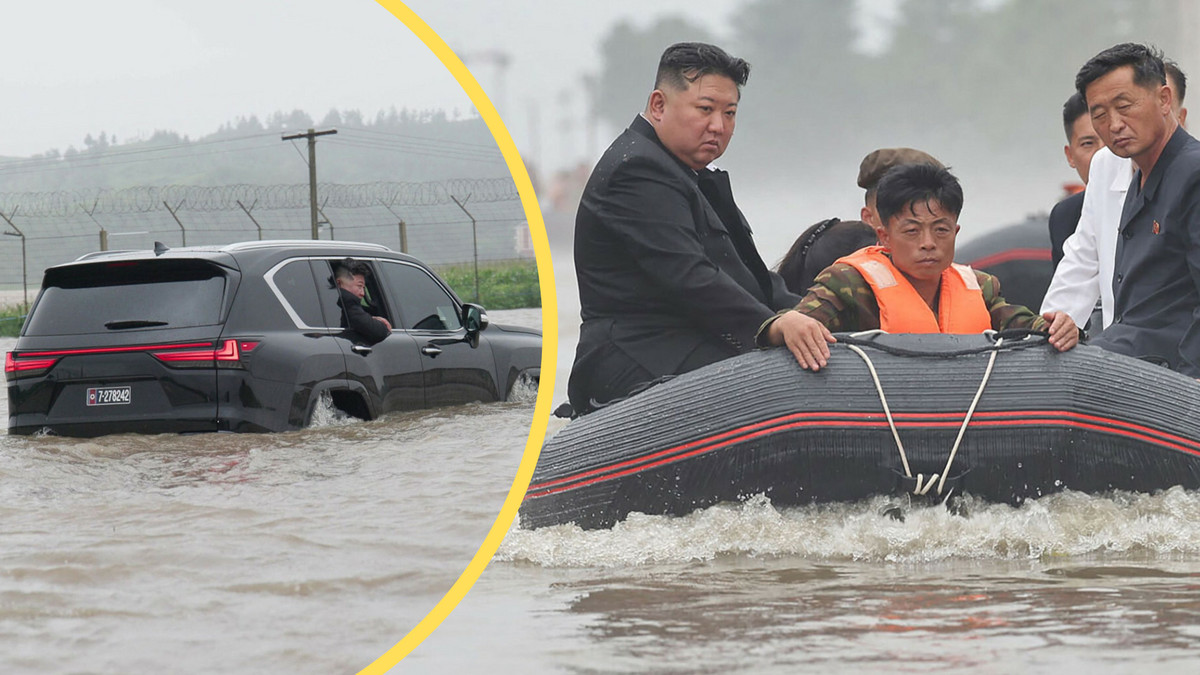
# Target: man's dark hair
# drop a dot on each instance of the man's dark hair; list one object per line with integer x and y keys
{"x": 1073, "y": 109}
{"x": 907, "y": 185}
{"x": 346, "y": 268}
{"x": 1177, "y": 79}
{"x": 685, "y": 62}
{"x": 1147, "y": 63}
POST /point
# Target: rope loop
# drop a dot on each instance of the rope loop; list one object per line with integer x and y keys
{"x": 922, "y": 486}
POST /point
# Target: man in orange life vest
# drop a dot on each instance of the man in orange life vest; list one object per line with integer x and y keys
{"x": 908, "y": 284}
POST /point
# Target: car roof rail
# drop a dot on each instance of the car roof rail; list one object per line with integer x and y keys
{"x": 304, "y": 243}
{"x": 103, "y": 254}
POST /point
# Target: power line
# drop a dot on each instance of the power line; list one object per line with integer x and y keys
{"x": 443, "y": 147}
{"x": 393, "y": 134}
{"x": 428, "y": 146}
{"x": 494, "y": 158}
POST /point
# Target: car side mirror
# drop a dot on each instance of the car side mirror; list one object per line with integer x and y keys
{"x": 475, "y": 320}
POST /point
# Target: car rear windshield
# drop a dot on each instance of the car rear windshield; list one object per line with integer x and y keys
{"x": 127, "y": 296}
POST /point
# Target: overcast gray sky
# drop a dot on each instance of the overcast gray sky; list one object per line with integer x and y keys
{"x": 130, "y": 67}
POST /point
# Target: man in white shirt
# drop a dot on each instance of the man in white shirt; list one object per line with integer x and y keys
{"x": 1085, "y": 273}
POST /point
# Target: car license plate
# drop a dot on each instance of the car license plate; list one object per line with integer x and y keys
{"x": 109, "y": 396}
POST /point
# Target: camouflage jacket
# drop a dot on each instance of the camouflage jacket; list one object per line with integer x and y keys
{"x": 841, "y": 299}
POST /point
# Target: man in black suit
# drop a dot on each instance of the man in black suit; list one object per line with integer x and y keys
{"x": 1082, "y": 143}
{"x": 1156, "y": 280}
{"x": 350, "y": 277}
{"x": 669, "y": 279}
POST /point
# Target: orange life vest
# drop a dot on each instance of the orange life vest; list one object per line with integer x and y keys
{"x": 961, "y": 308}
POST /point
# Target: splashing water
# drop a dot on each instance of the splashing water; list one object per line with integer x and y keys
{"x": 1066, "y": 524}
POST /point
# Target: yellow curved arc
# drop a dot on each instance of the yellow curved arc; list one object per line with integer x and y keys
{"x": 541, "y": 415}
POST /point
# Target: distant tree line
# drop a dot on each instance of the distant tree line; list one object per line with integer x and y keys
{"x": 392, "y": 146}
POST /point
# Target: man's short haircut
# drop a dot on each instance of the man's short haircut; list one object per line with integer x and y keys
{"x": 1177, "y": 78}
{"x": 1147, "y": 63}
{"x": 348, "y": 268}
{"x": 685, "y": 62}
{"x": 907, "y": 185}
{"x": 1073, "y": 109}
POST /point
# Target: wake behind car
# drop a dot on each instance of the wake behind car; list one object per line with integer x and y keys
{"x": 248, "y": 337}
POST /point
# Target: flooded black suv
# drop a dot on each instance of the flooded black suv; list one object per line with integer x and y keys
{"x": 247, "y": 337}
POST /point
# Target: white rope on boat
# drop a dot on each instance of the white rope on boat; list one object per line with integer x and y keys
{"x": 922, "y": 486}
{"x": 970, "y": 411}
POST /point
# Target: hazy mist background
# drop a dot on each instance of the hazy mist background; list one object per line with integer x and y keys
{"x": 978, "y": 83}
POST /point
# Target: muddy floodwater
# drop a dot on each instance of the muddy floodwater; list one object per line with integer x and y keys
{"x": 305, "y": 552}
{"x": 1068, "y": 584}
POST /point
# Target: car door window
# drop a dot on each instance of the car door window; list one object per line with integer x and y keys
{"x": 327, "y": 293}
{"x": 293, "y": 284}
{"x": 372, "y": 301}
{"x": 423, "y": 303}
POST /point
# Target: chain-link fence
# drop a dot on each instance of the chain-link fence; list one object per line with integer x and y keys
{"x": 446, "y": 222}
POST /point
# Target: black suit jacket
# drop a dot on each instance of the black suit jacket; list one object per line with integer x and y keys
{"x": 1156, "y": 280}
{"x": 359, "y": 322}
{"x": 666, "y": 266}
{"x": 1064, "y": 218}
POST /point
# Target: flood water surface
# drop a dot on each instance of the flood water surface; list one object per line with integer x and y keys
{"x": 1070, "y": 583}
{"x": 306, "y": 552}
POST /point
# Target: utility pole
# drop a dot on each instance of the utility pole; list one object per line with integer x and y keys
{"x": 474, "y": 239}
{"x": 311, "y": 135}
{"x": 498, "y": 58}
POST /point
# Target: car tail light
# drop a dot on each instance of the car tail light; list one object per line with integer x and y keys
{"x": 223, "y": 354}
{"x": 17, "y": 365}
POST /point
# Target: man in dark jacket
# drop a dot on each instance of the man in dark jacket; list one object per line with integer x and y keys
{"x": 669, "y": 279}
{"x": 1156, "y": 301}
{"x": 351, "y": 279}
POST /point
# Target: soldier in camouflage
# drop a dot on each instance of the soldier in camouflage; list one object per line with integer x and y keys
{"x": 843, "y": 302}
{"x": 913, "y": 272}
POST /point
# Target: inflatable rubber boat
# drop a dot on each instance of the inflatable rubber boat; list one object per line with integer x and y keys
{"x": 1002, "y": 417}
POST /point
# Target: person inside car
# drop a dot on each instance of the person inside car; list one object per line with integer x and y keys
{"x": 350, "y": 276}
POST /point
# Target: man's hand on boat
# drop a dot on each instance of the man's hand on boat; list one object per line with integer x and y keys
{"x": 1064, "y": 334}
{"x": 807, "y": 338}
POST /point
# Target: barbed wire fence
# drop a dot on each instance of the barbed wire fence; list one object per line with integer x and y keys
{"x": 442, "y": 223}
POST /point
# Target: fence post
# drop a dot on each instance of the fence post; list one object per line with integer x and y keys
{"x": 403, "y": 227}
{"x": 325, "y": 219}
{"x": 177, "y": 220}
{"x": 474, "y": 240}
{"x": 92, "y": 214}
{"x": 24, "y": 258}
{"x": 251, "y": 217}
